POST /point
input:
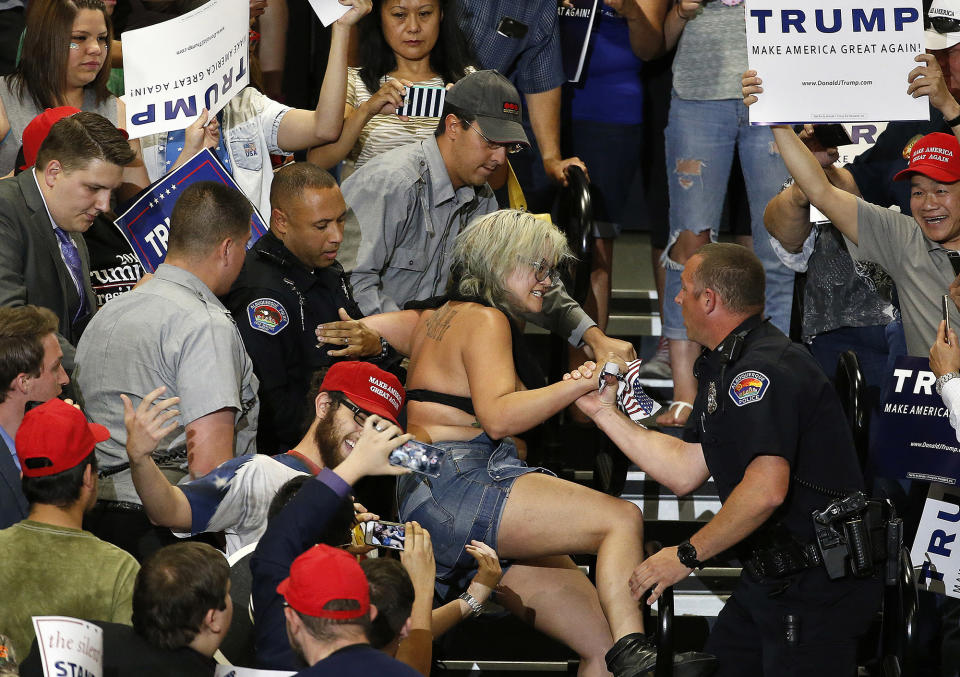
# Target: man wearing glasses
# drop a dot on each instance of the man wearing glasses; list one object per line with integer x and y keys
{"x": 413, "y": 201}
{"x": 234, "y": 497}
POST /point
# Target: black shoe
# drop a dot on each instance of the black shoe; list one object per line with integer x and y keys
{"x": 635, "y": 655}
{"x": 632, "y": 655}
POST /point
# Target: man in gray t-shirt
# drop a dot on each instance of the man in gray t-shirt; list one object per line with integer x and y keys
{"x": 172, "y": 331}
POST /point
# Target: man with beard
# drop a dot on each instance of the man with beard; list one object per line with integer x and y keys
{"x": 234, "y": 496}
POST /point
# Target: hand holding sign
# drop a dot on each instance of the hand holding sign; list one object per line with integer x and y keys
{"x": 927, "y": 80}
{"x": 358, "y": 10}
{"x": 945, "y": 352}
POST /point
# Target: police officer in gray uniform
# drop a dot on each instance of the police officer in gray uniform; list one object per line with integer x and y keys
{"x": 767, "y": 425}
{"x": 172, "y": 331}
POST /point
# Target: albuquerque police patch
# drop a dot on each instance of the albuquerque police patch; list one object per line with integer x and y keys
{"x": 268, "y": 316}
{"x": 747, "y": 387}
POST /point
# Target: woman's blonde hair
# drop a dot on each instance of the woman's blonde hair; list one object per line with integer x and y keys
{"x": 489, "y": 250}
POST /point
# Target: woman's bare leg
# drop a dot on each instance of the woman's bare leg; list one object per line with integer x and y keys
{"x": 549, "y": 516}
{"x": 555, "y": 597}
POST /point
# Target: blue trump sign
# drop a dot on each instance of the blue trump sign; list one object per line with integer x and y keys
{"x": 146, "y": 223}
{"x": 911, "y": 437}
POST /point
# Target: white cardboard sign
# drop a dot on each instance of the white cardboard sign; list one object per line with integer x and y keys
{"x": 233, "y": 671}
{"x": 174, "y": 69}
{"x": 936, "y": 550}
{"x": 69, "y": 646}
{"x": 328, "y": 11}
{"x": 836, "y": 61}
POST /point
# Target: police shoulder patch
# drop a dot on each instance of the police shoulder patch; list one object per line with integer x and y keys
{"x": 268, "y": 316}
{"x": 747, "y": 387}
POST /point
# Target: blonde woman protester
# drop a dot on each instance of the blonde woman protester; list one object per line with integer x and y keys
{"x": 471, "y": 386}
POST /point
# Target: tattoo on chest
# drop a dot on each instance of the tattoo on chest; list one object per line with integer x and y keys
{"x": 438, "y": 324}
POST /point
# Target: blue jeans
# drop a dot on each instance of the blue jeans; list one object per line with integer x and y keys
{"x": 465, "y": 503}
{"x": 700, "y": 140}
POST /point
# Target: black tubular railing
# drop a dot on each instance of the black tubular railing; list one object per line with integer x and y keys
{"x": 575, "y": 219}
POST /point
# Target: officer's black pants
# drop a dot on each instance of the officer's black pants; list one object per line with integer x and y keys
{"x": 750, "y": 635}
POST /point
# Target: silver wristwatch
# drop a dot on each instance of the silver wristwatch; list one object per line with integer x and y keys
{"x": 943, "y": 379}
{"x": 476, "y": 608}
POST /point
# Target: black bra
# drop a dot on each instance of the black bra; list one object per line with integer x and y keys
{"x": 456, "y": 401}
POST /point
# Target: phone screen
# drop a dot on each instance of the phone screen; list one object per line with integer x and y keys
{"x": 418, "y": 457}
{"x": 423, "y": 101}
{"x": 946, "y": 314}
{"x": 384, "y": 534}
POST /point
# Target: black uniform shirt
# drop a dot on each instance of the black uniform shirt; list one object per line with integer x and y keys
{"x": 277, "y": 303}
{"x": 770, "y": 398}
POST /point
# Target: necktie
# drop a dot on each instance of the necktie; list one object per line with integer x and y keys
{"x": 72, "y": 258}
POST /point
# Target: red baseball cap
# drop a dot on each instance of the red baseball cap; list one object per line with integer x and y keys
{"x": 321, "y": 575}
{"x": 936, "y": 156}
{"x": 368, "y": 387}
{"x": 37, "y": 130}
{"x": 55, "y": 437}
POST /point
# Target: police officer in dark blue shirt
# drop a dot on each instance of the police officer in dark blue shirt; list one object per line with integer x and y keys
{"x": 767, "y": 425}
{"x": 290, "y": 283}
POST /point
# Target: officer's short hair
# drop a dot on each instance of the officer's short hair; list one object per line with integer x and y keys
{"x": 291, "y": 181}
{"x": 206, "y": 214}
{"x": 175, "y": 589}
{"x": 735, "y": 273}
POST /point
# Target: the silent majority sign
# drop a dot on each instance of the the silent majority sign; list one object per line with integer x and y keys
{"x": 834, "y": 61}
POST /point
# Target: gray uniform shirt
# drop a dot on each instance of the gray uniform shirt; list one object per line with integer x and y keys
{"x": 920, "y": 268}
{"x": 170, "y": 331}
{"x": 408, "y": 215}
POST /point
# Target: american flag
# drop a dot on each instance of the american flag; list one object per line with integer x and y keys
{"x": 631, "y": 398}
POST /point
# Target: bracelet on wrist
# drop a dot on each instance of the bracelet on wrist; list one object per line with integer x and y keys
{"x": 953, "y": 122}
{"x": 476, "y": 608}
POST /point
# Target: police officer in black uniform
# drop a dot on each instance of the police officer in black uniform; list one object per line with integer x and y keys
{"x": 767, "y": 425}
{"x": 290, "y": 283}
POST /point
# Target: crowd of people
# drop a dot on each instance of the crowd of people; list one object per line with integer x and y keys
{"x": 231, "y": 400}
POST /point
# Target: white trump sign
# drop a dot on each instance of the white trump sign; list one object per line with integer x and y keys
{"x": 175, "y": 69}
{"x": 836, "y": 61}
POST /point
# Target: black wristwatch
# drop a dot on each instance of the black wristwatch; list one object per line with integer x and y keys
{"x": 687, "y": 554}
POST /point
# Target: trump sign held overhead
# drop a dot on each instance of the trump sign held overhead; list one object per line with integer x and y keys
{"x": 175, "y": 69}
{"x": 836, "y": 61}
{"x": 146, "y": 223}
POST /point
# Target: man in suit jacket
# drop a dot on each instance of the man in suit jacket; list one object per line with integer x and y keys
{"x": 44, "y": 212}
{"x": 30, "y": 371}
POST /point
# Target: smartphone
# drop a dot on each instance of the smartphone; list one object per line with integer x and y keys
{"x": 423, "y": 101}
{"x": 380, "y": 534}
{"x": 832, "y": 136}
{"x": 946, "y": 315}
{"x": 511, "y": 28}
{"x": 418, "y": 457}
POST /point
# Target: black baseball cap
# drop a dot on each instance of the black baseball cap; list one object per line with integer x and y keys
{"x": 494, "y": 101}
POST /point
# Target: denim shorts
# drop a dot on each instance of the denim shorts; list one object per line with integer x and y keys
{"x": 465, "y": 503}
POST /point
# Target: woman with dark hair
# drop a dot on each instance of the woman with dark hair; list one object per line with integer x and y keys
{"x": 401, "y": 43}
{"x": 65, "y": 62}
